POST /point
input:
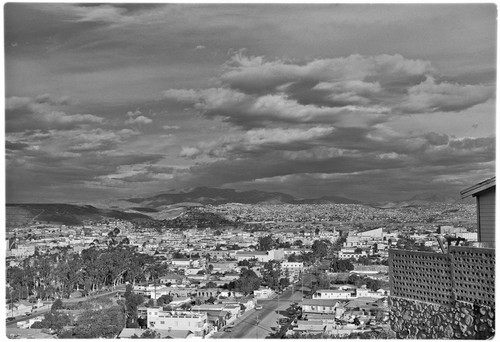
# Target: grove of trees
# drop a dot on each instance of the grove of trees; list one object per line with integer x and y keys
{"x": 58, "y": 275}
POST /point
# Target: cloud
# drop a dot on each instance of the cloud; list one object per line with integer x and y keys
{"x": 255, "y": 74}
{"x": 260, "y": 141}
{"x": 134, "y": 114}
{"x": 87, "y": 13}
{"x": 430, "y": 96}
{"x": 15, "y": 146}
{"x": 189, "y": 152}
{"x": 48, "y": 98}
{"x": 437, "y": 139}
{"x": 350, "y": 91}
{"x": 139, "y": 120}
{"x": 250, "y": 111}
{"x": 136, "y": 117}
{"x": 168, "y": 127}
{"x": 43, "y": 112}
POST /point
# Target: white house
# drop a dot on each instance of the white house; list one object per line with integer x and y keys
{"x": 332, "y": 294}
{"x": 324, "y": 306}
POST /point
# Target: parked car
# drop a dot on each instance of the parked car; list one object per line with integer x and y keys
{"x": 258, "y": 307}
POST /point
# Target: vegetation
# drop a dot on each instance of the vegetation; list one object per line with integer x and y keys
{"x": 58, "y": 275}
{"x": 266, "y": 243}
{"x": 246, "y": 283}
{"x": 132, "y": 301}
{"x": 148, "y": 334}
{"x": 341, "y": 266}
{"x": 271, "y": 274}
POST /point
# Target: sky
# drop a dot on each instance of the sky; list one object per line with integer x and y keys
{"x": 376, "y": 102}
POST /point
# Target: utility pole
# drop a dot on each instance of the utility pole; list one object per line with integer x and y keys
{"x": 257, "y": 325}
{"x": 302, "y": 278}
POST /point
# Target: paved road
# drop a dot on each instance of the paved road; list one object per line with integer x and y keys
{"x": 258, "y": 323}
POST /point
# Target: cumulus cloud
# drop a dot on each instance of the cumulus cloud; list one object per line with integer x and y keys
{"x": 189, "y": 152}
{"x": 250, "y": 111}
{"x": 139, "y": 120}
{"x": 431, "y": 96}
{"x": 136, "y": 117}
{"x": 255, "y": 74}
{"x": 351, "y": 91}
{"x": 43, "y": 112}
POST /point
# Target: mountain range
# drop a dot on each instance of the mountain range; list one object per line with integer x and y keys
{"x": 166, "y": 206}
{"x": 217, "y": 196}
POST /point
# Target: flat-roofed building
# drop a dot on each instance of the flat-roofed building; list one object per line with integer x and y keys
{"x": 197, "y": 322}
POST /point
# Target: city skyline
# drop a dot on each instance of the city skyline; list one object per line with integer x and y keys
{"x": 369, "y": 102}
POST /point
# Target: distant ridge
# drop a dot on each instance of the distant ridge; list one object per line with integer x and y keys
{"x": 67, "y": 214}
{"x": 216, "y": 196}
{"x": 422, "y": 200}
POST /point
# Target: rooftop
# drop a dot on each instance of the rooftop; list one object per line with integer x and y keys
{"x": 477, "y": 188}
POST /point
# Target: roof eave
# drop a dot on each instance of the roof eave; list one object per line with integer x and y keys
{"x": 477, "y": 188}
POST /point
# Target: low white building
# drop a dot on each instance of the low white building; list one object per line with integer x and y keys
{"x": 263, "y": 293}
{"x": 324, "y": 306}
{"x": 197, "y": 322}
{"x": 332, "y": 294}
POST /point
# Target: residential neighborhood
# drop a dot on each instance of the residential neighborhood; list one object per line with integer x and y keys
{"x": 327, "y": 274}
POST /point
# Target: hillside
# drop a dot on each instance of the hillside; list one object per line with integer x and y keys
{"x": 217, "y": 196}
{"x": 68, "y": 214}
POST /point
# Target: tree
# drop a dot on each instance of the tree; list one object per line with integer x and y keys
{"x": 164, "y": 299}
{"x": 132, "y": 301}
{"x": 244, "y": 262}
{"x": 105, "y": 323}
{"x": 320, "y": 249}
{"x": 265, "y": 243}
{"x": 57, "y": 305}
{"x": 53, "y": 320}
{"x": 341, "y": 266}
{"x": 271, "y": 273}
{"x": 298, "y": 243}
{"x": 210, "y": 284}
{"x": 247, "y": 282}
{"x": 373, "y": 284}
{"x": 284, "y": 282}
{"x": 148, "y": 334}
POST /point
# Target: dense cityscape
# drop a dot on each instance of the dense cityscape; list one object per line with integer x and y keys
{"x": 249, "y": 170}
{"x": 291, "y": 271}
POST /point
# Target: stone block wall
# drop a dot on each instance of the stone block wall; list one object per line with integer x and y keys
{"x": 413, "y": 319}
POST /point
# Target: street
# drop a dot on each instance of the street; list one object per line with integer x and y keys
{"x": 258, "y": 324}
